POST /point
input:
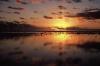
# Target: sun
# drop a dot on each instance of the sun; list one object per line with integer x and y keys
{"x": 61, "y": 23}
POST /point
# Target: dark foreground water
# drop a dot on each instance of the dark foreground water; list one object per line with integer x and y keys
{"x": 50, "y": 49}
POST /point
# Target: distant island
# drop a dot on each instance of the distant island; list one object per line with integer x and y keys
{"x": 16, "y": 26}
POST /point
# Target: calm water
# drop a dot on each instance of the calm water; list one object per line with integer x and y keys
{"x": 51, "y": 49}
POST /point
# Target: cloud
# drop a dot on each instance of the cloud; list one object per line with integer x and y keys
{"x": 2, "y": 17}
{"x": 92, "y": 9}
{"x": 24, "y": 3}
{"x": 61, "y": 7}
{"x": 15, "y": 8}
{"x": 32, "y": 1}
{"x": 54, "y": 13}
{"x": 68, "y": 1}
{"x": 91, "y": 0}
{"x": 90, "y": 14}
{"x": 8, "y": 12}
{"x": 43, "y": 1}
{"x": 1, "y": 11}
{"x": 18, "y": 1}
{"x": 16, "y": 12}
{"x": 59, "y": 0}
{"x": 22, "y": 18}
{"x": 77, "y": 1}
{"x": 35, "y": 11}
{"x": 48, "y": 17}
{"x": 17, "y": 26}
{"x": 1, "y": 3}
{"x": 5, "y": 0}
{"x": 38, "y": 1}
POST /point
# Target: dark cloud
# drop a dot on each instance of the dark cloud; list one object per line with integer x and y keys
{"x": 24, "y": 3}
{"x": 48, "y": 17}
{"x": 60, "y": 12}
{"x": 22, "y": 18}
{"x": 23, "y": 22}
{"x": 1, "y": 17}
{"x": 59, "y": 0}
{"x": 18, "y": 1}
{"x": 32, "y": 17}
{"x": 77, "y": 1}
{"x": 17, "y": 26}
{"x": 1, "y": 11}
{"x": 61, "y": 7}
{"x": 34, "y": 1}
{"x": 16, "y": 12}
{"x": 68, "y": 1}
{"x": 54, "y": 13}
{"x": 92, "y": 9}
{"x": 43, "y": 1}
{"x": 75, "y": 8}
{"x": 15, "y": 8}
{"x": 5, "y": 0}
{"x": 90, "y": 14}
{"x": 35, "y": 11}
{"x": 1, "y": 3}
{"x": 91, "y": 0}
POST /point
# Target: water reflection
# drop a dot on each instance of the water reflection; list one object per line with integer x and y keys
{"x": 51, "y": 49}
{"x": 61, "y": 37}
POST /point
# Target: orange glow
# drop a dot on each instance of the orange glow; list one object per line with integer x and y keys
{"x": 61, "y": 37}
{"x": 62, "y": 23}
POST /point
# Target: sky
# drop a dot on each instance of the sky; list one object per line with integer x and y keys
{"x": 52, "y": 13}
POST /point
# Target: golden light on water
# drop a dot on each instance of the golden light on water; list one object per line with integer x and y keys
{"x": 61, "y": 37}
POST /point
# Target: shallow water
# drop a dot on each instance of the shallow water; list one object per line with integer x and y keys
{"x": 51, "y": 49}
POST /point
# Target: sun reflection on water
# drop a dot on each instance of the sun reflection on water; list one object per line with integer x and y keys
{"x": 61, "y": 37}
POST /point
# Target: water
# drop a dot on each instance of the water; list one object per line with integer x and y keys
{"x": 50, "y": 49}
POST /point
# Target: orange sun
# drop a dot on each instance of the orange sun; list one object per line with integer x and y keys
{"x": 61, "y": 23}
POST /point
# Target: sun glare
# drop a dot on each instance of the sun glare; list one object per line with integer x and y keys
{"x": 62, "y": 23}
{"x": 61, "y": 37}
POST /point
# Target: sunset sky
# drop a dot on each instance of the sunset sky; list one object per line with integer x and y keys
{"x": 52, "y": 13}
